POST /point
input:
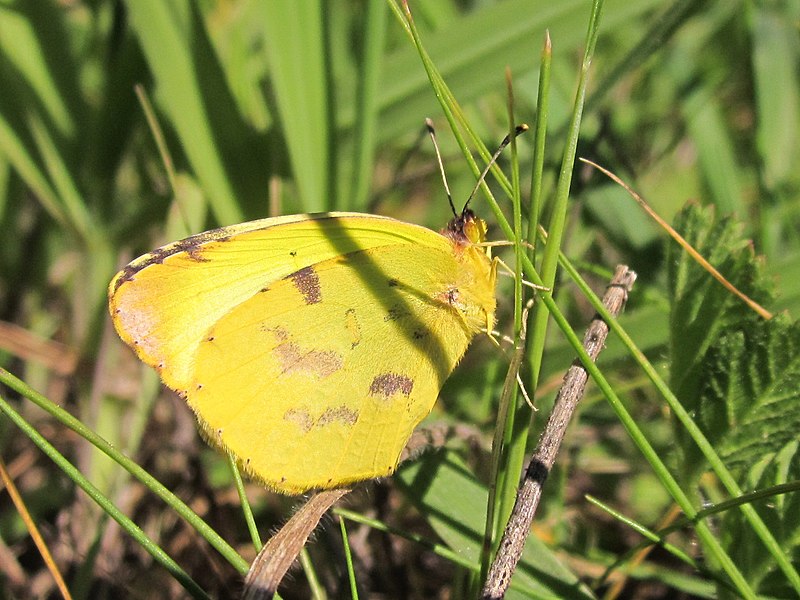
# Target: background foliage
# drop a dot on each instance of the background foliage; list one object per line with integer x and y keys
{"x": 282, "y": 107}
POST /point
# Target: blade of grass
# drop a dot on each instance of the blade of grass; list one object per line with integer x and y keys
{"x": 33, "y": 531}
{"x": 25, "y": 164}
{"x": 367, "y": 111}
{"x": 296, "y": 53}
{"x": 24, "y": 50}
{"x": 539, "y": 142}
{"x": 716, "y": 150}
{"x": 162, "y": 29}
{"x": 351, "y": 575}
{"x": 453, "y": 112}
{"x": 317, "y": 589}
{"x": 471, "y": 52}
{"x": 132, "y": 467}
{"x": 107, "y": 505}
{"x": 555, "y": 230}
{"x": 506, "y": 471}
{"x": 755, "y": 306}
{"x": 66, "y": 189}
{"x": 247, "y": 511}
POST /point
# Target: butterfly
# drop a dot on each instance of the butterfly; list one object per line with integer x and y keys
{"x": 310, "y": 346}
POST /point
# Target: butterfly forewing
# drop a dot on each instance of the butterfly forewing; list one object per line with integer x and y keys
{"x": 164, "y": 302}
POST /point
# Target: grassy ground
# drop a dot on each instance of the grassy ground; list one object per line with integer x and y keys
{"x": 126, "y": 125}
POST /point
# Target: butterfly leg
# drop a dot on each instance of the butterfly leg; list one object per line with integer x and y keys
{"x": 508, "y": 271}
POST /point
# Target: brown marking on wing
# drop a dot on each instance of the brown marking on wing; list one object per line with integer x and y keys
{"x": 191, "y": 246}
{"x": 388, "y": 384}
{"x": 193, "y": 249}
{"x": 305, "y": 422}
{"x": 394, "y": 313}
{"x": 352, "y": 326}
{"x": 300, "y": 417}
{"x": 449, "y": 296}
{"x": 342, "y": 414}
{"x": 321, "y": 363}
{"x": 280, "y": 333}
{"x": 306, "y": 281}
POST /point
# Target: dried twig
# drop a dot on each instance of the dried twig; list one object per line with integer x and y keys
{"x": 282, "y": 549}
{"x": 530, "y": 491}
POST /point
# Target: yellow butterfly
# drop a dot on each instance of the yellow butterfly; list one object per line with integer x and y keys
{"x": 310, "y": 346}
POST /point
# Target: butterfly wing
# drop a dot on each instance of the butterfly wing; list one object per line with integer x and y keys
{"x": 313, "y": 350}
{"x": 163, "y": 303}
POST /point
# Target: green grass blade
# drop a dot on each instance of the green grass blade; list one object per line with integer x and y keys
{"x": 134, "y": 469}
{"x": 163, "y": 30}
{"x": 367, "y": 113}
{"x": 296, "y": 54}
{"x": 104, "y": 502}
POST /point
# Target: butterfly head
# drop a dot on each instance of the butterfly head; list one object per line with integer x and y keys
{"x": 466, "y": 228}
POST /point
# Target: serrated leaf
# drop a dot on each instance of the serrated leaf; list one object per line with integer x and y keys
{"x": 701, "y": 308}
{"x": 782, "y": 516}
{"x": 740, "y": 375}
{"x": 749, "y": 391}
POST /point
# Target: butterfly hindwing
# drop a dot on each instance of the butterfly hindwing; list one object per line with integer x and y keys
{"x": 322, "y": 376}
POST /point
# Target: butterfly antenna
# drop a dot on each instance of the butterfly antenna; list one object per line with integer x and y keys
{"x": 506, "y": 140}
{"x": 432, "y": 132}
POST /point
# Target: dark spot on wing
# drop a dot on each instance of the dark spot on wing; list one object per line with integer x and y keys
{"x": 388, "y": 384}
{"x": 393, "y": 283}
{"x": 394, "y": 313}
{"x": 341, "y": 414}
{"x": 319, "y": 362}
{"x": 279, "y": 332}
{"x": 305, "y": 422}
{"x": 192, "y": 249}
{"x": 190, "y": 245}
{"x": 352, "y": 326}
{"x": 300, "y": 417}
{"x": 452, "y": 295}
{"x": 306, "y": 281}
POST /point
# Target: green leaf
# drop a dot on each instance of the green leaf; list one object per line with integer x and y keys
{"x": 780, "y": 513}
{"x": 702, "y": 309}
{"x": 294, "y": 43}
{"x": 739, "y": 375}
{"x": 749, "y": 391}
{"x": 443, "y": 489}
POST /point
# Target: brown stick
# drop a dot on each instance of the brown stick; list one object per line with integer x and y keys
{"x": 530, "y": 491}
{"x": 282, "y": 549}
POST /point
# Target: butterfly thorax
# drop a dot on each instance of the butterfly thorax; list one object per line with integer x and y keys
{"x": 473, "y": 291}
